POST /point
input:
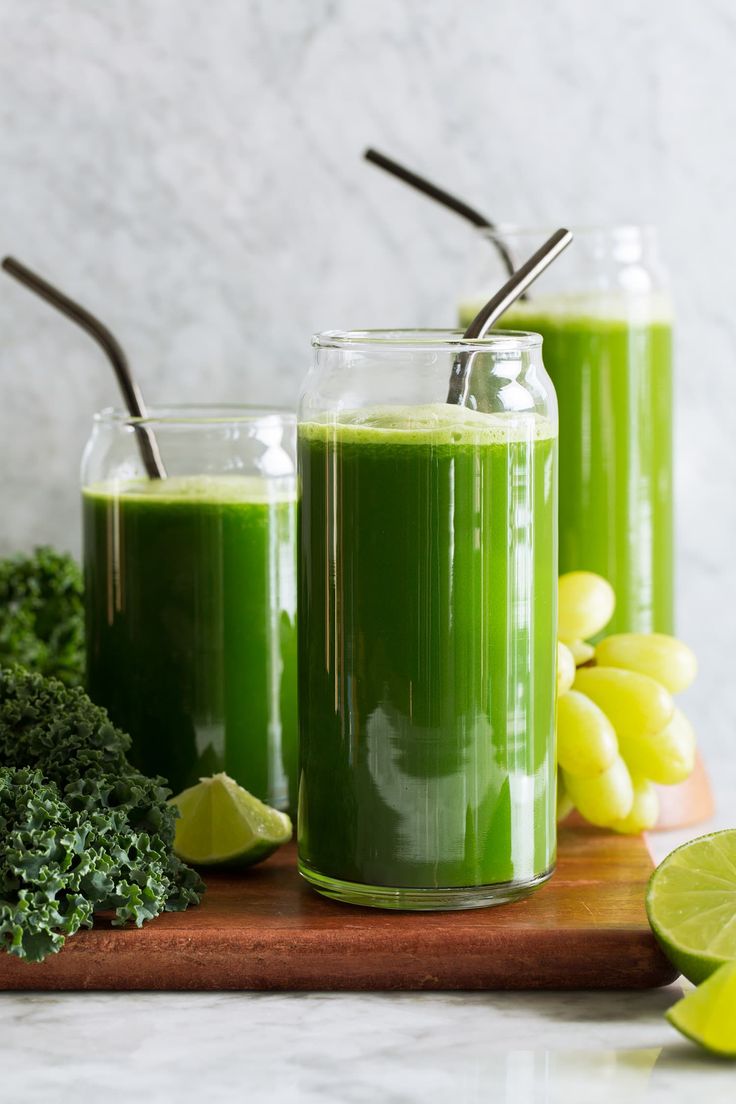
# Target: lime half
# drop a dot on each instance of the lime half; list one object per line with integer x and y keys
{"x": 691, "y": 904}
{"x": 221, "y": 824}
{"x": 708, "y": 1014}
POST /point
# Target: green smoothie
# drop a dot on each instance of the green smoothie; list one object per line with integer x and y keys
{"x": 427, "y": 594}
{"x": 611, "y": 365}
{"x": 191, "y": 625}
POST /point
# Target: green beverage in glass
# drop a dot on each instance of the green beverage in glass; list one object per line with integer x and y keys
{"x": 607, "y": 330}
{"x": 427, "y": 591}
{"x": 191, "y": 594}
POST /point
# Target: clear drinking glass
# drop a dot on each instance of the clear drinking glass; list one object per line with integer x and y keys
{"x": 604, "y": 312}
{"x": 191, "y": 592}
{"x": 427, "y": 613}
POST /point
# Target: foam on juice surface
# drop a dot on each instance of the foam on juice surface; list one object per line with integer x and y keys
{"x": 617, "y": 308}
{"x": 431, "y": 423}
{"x": 208, "y": 489}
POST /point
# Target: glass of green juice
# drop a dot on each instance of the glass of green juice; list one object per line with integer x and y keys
{"x": 604, "y": 313}
{"x": 427, "y": 620}
{"x": 190, "y": 586}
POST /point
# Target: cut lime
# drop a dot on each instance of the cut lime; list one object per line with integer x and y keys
{"x": 221, "y": 824}
{"x": 691, "y": 904}
{"x": 708, "y": 1014}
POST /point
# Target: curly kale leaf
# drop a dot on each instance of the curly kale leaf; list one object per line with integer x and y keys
{"x": 42, "y": 614}
{"x": 57, "y": 728}
{"x": 44, "y": 861}
{"x": 81, "y": 831}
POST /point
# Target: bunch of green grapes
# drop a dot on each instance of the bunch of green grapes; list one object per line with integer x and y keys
{"x": 618, "y": 729}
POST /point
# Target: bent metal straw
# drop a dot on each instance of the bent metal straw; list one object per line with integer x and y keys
{"x": 113, "y": 350}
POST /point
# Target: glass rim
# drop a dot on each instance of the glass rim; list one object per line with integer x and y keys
{"x": 434, "y": 340}
{"x": 608, "y": 230}
{"x": 197, "y": 414}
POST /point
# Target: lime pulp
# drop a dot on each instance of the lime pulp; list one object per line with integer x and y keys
{"x": 221, "y": 824}
{"x": 691, "y": 904}
{"x": 707, "y": 1015}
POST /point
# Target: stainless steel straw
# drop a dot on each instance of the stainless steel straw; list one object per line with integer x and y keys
{"x": 111, "y": 346}
{"x": 444, "y": 198}
{"x": 497, "y": 305}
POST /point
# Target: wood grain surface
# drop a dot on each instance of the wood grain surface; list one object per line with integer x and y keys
{"x": 586, "y": 929}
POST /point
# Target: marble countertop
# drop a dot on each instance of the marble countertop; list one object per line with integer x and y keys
{"x": 508, "y": 1048}
{"x": 522, "y": 1048}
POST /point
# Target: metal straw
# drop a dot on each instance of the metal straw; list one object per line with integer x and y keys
{"x": 113, "y": 350}
{"x": 414, "y": 180}
{"x": 498, "y": 304}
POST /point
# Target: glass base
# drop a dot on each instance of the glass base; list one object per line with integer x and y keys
{"x": 421, "y": 900}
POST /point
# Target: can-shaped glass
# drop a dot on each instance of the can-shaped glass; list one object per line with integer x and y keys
{"x": 190, "y": 585}
{"x": 427, "y": 614}
{"x": 604, "y": 312}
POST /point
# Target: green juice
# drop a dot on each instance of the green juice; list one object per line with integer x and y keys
{"x": 613, "y": 376}
{"x": 427, "y": 598}
{"x": 191, "y": 625}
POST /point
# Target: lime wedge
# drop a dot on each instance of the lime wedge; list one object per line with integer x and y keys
{"x": 691, "y": 904}
{"x": 708, "y": 1014}
{"x": 221, "y": 824}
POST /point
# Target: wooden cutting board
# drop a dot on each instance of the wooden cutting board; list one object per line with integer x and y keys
{"x": 586, "y": 929}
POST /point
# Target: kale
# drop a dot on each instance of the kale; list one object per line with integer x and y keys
{"x": 41, "y": 614}
{"x": 81, "y": 830}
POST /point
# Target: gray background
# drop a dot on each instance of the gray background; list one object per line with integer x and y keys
{"x": 192, "y": 172}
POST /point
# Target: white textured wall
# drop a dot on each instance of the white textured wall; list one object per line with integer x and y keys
{"x": 192, "y": 172}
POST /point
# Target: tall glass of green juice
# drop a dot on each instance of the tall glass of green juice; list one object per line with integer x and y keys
{"x": 427, "y": 620}
{"x": 605, "y": 318}
{"x": 190, "y": 587}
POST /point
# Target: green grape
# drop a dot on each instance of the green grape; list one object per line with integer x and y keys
{"x": 644, "y": 811}
{"x": 664, "y": 658}
{"x": 564, "y": 802}
{"x": 635, "y": 704}
{"x": 604, "y": 799}
{"x": 565, "y": 669}
{"x": 586, "y": 605}
{"x": 580, "y": 650}
{"x": 586, "y": 741}
{"x": 667, "y": 756}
